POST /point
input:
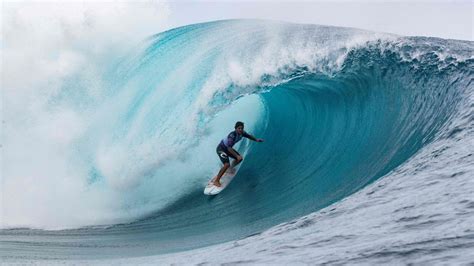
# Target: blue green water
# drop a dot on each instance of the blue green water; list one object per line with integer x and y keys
{"x": 338, "y": 109}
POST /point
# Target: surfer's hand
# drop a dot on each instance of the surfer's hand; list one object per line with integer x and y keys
{"x": 259, "y": 140}
{"x": 239, "y": 158}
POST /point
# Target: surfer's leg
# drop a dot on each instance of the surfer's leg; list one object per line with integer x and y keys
{"x": 224, "y": 157}
{"x": 236, "y": 161}
{"x": 220, "y": 174}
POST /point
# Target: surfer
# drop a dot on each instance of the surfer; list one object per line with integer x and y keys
{"x": 224, "y": 150}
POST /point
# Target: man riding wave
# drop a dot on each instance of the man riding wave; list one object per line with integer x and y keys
{"x": 224, "y": 150}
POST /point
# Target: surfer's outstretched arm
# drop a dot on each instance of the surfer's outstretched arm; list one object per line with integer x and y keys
{"x": 247, "y": 135}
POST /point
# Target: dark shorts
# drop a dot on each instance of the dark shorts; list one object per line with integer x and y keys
{"x": 224, "y": 154}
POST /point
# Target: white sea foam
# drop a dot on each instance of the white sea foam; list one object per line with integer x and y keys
{"x": 42, "y": 185}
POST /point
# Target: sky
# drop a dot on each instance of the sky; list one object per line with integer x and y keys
{"x": 445, "y": 19}
{"x": 451, "y": 19}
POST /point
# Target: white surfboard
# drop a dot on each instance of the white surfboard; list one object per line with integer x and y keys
{"x": 210, "y": 189}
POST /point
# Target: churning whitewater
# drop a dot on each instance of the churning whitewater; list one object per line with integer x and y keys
{"x": 367, "y": 155}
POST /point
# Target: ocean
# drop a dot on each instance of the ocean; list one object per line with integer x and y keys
{"x": 367, "y": 159}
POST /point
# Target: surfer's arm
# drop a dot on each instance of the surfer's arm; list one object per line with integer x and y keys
{"x": 247, "y": 135}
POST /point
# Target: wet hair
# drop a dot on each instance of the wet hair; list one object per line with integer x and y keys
{"x": 238, "y": 124}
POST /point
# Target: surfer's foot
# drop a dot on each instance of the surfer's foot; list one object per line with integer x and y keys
{"x": 217, "y": 183}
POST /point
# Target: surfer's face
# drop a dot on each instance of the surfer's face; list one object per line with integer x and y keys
{"x": 240, "y": 130}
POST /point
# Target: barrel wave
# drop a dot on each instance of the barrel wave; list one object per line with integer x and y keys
{"x": 338, "y": 109}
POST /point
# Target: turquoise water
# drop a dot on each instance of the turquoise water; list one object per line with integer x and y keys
{"x": 338, "y": 109}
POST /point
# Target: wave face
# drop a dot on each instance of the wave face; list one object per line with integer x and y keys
{"x": 338, "y": 108}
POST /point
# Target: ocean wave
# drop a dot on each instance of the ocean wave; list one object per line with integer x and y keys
{"x": 338, "y": 108}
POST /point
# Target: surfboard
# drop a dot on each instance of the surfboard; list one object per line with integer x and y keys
{"x": 210, "y": 189}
